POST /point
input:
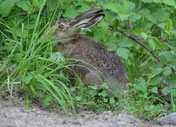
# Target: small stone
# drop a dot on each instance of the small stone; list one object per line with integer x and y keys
{"x": 168, "y": 119}
{"x": 76, "y": 122}
{"x": 64, "y": 121}
{"x": 19, "y": 123}
{"x": 126, "y": 120}
{"x": 134, "y": 119}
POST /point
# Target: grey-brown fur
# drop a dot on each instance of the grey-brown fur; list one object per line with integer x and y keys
{"x": 108, "y": 65}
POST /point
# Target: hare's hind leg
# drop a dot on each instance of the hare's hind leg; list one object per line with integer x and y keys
{"x": 93, "y": 78}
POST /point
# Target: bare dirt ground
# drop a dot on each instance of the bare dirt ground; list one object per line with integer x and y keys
{"x": 15, "y": 116}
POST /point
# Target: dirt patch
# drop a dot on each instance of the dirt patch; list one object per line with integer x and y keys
{"x": 15, "y": 116}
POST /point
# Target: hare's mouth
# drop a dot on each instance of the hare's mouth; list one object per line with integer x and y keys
{"x": 58, "y": 35}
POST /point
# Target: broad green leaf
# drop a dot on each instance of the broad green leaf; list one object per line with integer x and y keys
{"x": 157, "y": 1}
{"x": 167, "y": 71}
{"x": 32, "y": 19}
{"x": 6, "y": 6}
{"x": 166, "y": 31}
{"x": 123, "y": 7}
{"x": 173, "y": 92}
{"x": 152, "y": 44}
{"x": 152, "y": 18}
{"x": 166, "y": 90}
{"x": 144, "y": 11}
{"x": 162, "y": 25}
{"x": 171, "y": 80}
{"x": 112, "y": 6}
{"x": 169, "y": 2}
{"x": 166, "y": 56}
{"x": 70, "y": 13}
{"x": 78, "y": 98}
{"x": 138, "y": 31}
{"x": 123, "y": 17}
{"x": 162, "y": 15}
{"x": 110, "y": 17}
{"x": 123, "y": 52}
{"x": 103, "y": 93}
{"x": 173, "y": 66}
{"x": 90, "y": 0}
{"x": 141, "y": 84}
{"x": 134, "y": 16}
{"x": 157, "y": 80}
{"x": 103, "y": 24}
{"x": 126, "y": 7}
{"x": 125, "y": 42}
{"x": 106, "y": 100}
{"x": 131, "y": 6}
{"x": 93, "y": 87}
{"x": 84, "y": 8}
{"x": 102, "y": 34}
{"x": 147, "y": 26}
{"x": 36, "y": 3}
{"x": 112, "y": 100}
{"x": 25, "y": 5}
{"x": 169, "y": 25}
{"x": 158, "y": 43}
{"x": 28, "y": 79}
{"x": 21, "y": 33}
{"x": 149, "y": 15}
{"x": 111, "y": 46}
{"x": 144, "y": 35}
{"x": 147, "y": 1}
{"x": 155, "y": 90}
{"x": 156, "y": 71}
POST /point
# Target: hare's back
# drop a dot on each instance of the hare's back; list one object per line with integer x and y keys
{"x": 105, "y": 61}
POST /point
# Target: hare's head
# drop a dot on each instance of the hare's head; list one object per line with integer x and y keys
{"x": 68, "y": 28}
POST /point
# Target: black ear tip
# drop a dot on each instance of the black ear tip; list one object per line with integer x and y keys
{"x": 99, "y": 10}
{"x": 103, "y": 15}
{"x": 94, "y": 11}
{"x": 100, "y": 15}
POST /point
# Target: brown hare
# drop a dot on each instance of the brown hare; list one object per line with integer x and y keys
{"x": 103, "y": 66}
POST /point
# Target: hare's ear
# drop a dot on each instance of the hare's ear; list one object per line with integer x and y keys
{"x": 87, "y": 23}
{"x": 87, "y": 19}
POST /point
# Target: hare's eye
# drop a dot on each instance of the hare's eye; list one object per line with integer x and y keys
{"x": 61, "y": 27}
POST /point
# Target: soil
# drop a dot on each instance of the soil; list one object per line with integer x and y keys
{"x": 15, "y": 116}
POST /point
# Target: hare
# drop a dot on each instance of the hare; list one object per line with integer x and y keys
{"x": 104, "y": 66}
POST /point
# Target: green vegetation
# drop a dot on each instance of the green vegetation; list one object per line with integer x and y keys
{"x": 141, "y": 32}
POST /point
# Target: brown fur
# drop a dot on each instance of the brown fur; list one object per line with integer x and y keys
{"x": 107, "y": 65}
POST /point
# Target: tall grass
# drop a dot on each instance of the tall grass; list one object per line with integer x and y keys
{"x": 27, "y": 63}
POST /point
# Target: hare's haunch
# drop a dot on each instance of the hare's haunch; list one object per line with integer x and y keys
{"x": 105, "y": 66}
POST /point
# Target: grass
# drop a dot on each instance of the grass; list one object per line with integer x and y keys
{"x": 27, "y": 64}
